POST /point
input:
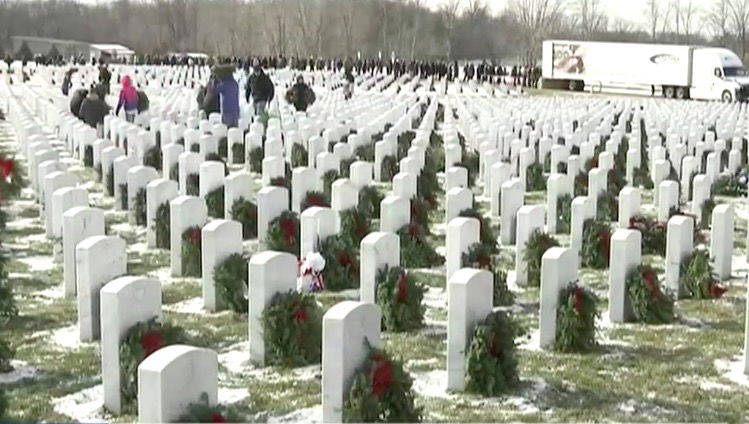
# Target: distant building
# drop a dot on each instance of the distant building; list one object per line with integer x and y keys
{"x": 70, "y": 48}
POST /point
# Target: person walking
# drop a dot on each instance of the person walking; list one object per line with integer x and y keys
{"x": 94, "y": 108}
{"x": 300, "y": 95}
{"x": 348, "y": 88}
{"x": 208, "y": 98}
{"x": 260, "y": 87}
{"x": 128, "y": 100}
{"x": 228, "y": 92}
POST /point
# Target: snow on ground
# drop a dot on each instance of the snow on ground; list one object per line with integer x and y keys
{"x": 21, "y": 371}
{"x": 306, "y": 415}
{"x": 86, "y": 405}
{"x": 189, "y": 306}
{"x": 137, "y": 248}
{"x": 52, "y": 293}
{"x": 431, "y": 384}
{"x": 228, "y": 396}
{"x": 63, "y": 337}
{"x": 733, "y": 370}
{"x": 435, "y": 297}
{"x": 533, "y": 343}
{"x": 38, "y": 263}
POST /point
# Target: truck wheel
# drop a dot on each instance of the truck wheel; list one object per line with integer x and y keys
{"x": 726, "y": 97}
{"x": 668, "y": 92}
{"x": 574, "y": 85}
{"x": 681, "y": 93}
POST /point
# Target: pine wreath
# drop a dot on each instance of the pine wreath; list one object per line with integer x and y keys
{"x": 223, "y": 147}
{"x": 653, "y": 234}
{"x": 11, "y": 177}
{"x": 428, "y": 187}
{"x": 404, "y": 143}
{"x": 399, "y": 297}
{"x": 706, "y": 211}
{"x": 369, "y": 202}
{"x": 88, "y": 156}
{"x": 345, "y": 166}
{"x": 214, "y": 202}
{"x": 245, "y": 212}
{"x": 283, "y": 233}
{"x": 615, "y": 181}
{"x": 697, "y": 276}
{"x": 607, "y": 207}
{"x": 534, "y": 178}
{"x": 478, "y": 256}
{"x": 162, "y": 226}
{"x": 388, "y": 168}
{"x": 576, "y": 319}
{"x": 298, "y": 155}
{"x": 192, "y": 184}
{"x": 191, "y": 253}
{"x": 237, "y": 153}
{"x": 140, "y": 341}
{"x": 292, "y": 330}
{"x": 123, "y": 196}
{"x": 366, "y": 153}
{"x": 110, "y": 181}
{"x": 381, "y": 392}
{"x": 230, "y": 277}
{"x": 487, "y": 235}
{"x": 491, "y": 359}
{"x": 581, "y": 184}
{"x": 354, "y": 226}
{"x": 470, "y": 161}
{"x": 420, "y": 214}
{"x": 642, "y": 178}
{"x": 564, "y": 213}
{"x": 416, "y": 250}
{"x": 174, "y": 172}
{"x": 538, "y": 243}
{"x": 314, "y": 198}
{"x": 153, "y": 157}
{"x": 730, "y": 185}
{"x": 595, "y": 249}
{"x": 203, "y": 412}
{"x": 255, "y": 159}
{"x": 195, "y": 148}
{"x": 341, "y": 263}
{"x": 649, "y": 303}
{"x": 502, "y": 294}
{"x": 139, "y": 207}
{"x": 328, "y": 178}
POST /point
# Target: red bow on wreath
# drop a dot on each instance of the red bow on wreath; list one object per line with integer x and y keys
{"x": 604, "y": 239}
{"x": 651, "y": 282}
{"x": 577, "y": 300}
{"x": 151, "y": 341}
{"x": 288, "y": 230}
{"x": 717, "y": 291}
{"x": 402, "y": 287}
{"x": 300, "y": 314}
{"x": 382, "y": 375}
{"x": 6, "y": 167}
{"x": 217, "y": 418}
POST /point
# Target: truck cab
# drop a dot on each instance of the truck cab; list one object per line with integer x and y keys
{"x": 718, "y": 74}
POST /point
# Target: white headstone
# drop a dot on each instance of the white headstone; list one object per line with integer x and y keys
{"x": 512, "y": 200}
{"x": 721, "y": 240}
{"x": 679, "y": 244}
{"x": 378, "y": 250}
{"x": 78, "y": 224}
{"x": 220, "y": 239}
{"x": 626, "y": 248}
{"x": 462, "y": 233}
{"x": 271, "y": 202}
{"x": 558, "y": 268}
{"x": 395, "y": 212}
{"x": 529, "y": 219}
{"x": 158, "y": 192}
{"x": 184, "y": 212}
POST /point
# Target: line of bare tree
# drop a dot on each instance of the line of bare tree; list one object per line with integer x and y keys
{"x": 458, "y": 30}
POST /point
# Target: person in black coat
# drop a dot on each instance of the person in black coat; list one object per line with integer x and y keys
{"x": 77, "y": 100}
{"x": 300, "y": 95}
{"x": 260, "y": 88}
{"x": 94, "y": 108}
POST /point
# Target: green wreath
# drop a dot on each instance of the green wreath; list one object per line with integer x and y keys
{"x": 345, "y": 166}
{"x": 576, "y": 319}
{"x": 195, "y": 148}
{"x": 428, "y": 187}
{"x": 366, "y": 153}
{"x": 328, "y": 178}
{"x": 191, "y": 256}
{"x": 283, "y": 233}
{"x": 369, "y": 202}
{"x": 581, "y": 184}
{"x": 648, "y": 301}
{"x": 215, "y": 157}
{"x": 255, "y": 159}
{"x": 298, "y": 155}
{"x": 88, "y": 156}
{"x": 355, "y": 225}
{"x": 534, "y": 178}
{"x": 174, "y": 172}
{"x": 564, "y": 213}
{"x": 642, "y": 178}
{"x": 292, "y": 330}
{"x": 421, "y": 214}
{"x": 596, "y": 244}
{"x": 341, "y": 270}
{"x": 223, "y": 147}
{"x": 381, "y": 392}
{"x": 616, "y": 181}
{"x": 123, "y": 196}
{"x": 607, "y": 207}
{"x": 314, "y": 198}
{"x": 214, "y": 202}
{"x": 653, "y": 234}
{"x": 478, "y": 256}
{"x": 245, "y": 212}
{"x": 139, "y": 208}
{"x": 140, "y": 341}
{"x": 697, "y": 276}
{"x": 110, "y": 181}
{"x": 404, "y": 143}
{"x": 237, "y": 153}
{"x": 153, "y": 157}
{"x": 388, "y": 168}
{"x": 192, "y": 184}
{"x": 706, "y": 211}
{"x": 538, "y": 243}
{"x": 487, "y": 234}
{"x": 231, "y": 279}
{"x": 416, "y": 250}
{"x": 470, "y": 161}
{"x": 399, "y": 298}
{"x": 203, "y": 412}
{"x": 729, "y": 185}
{"x": 162, "y": 226}
{"x": 502, "y": 294}
{"x": 491, "y": 359}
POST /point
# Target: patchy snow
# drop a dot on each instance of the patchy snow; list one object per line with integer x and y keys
{"x": 137, "y": 248}
{"x": 189, "y": 306}
{"x": 525, "y": 404}
{"x": 441, "y": 250}
{"x": 431, "y": 384}
{"x": 306, "y": 415}
{"x": 236, "y": 359}
{"x": 55, "y": 292}
{"x": 64, "y": 337}
{"x": 24, "y": 223}
{"x": 21, "y": 371}
{"x": 38, "y": 263}
{"x": 712, "y": 385}
{"x": 86, "y": 405}
{"x": 733, "y": 370}
{"x": 435, "y": 297}
{"x": 228, "y": 396}
{"x": 532, "y": 343}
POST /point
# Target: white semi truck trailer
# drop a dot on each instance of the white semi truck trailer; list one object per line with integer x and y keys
{"x": 675, "y": 71}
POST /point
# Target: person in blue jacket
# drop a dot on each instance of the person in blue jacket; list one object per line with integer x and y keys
{"x": 228, "y": 91}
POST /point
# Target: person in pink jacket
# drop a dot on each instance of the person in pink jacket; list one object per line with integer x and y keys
{"x": 128, "y": 99}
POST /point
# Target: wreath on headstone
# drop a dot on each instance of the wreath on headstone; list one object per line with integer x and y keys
{"x": 230, "y": 277}
{"x": 491, "y": 358}
{"x": 706, "y": 211}
{"x": 538, "y": 243}
{"x": 214, "y": 202}
{"x": 88, "y": 156}
{"x": 191, "y": 256}
{"x": 223, "y": 147}
{"x": 140, "y": 341}
{"x": 381, "y": 392}
{"x": 366, "y": 152}
{"x": 153, "y": 157}
{"x": 420, "y": 214}
{"x": 354, "y": 226}
{"x": 581, "y": 184}
{"x": 237, "y": 152}
{"x": 616, "y": 181}
{"x": 192, "y": 184}
{"x": 428, "y": 186}
{"x": 369, "y": 201}
{"x": 346, "y": 166}
{"x": 195, "y": 148}
{"x": 174, "y": 172}
{"x": 416, "y": 250}
{"x": 576, "y": 319}
{"x": 341, "y": 263}
{"x": 564, "y": 213}
{"x": 653, "y": 234}
{"x": 697, "y": 276}
{"x": 123, "y": 196}
{"x": 203, "y": 412}
{"x": 388, "y": 168}
{"x": 255, "y": 159}
{"x": 596, "y": 244}
{"x": 298, "y": 155}
{"x": 534, "y": 177}
{"x": 292, "y": 330}
{"x": 487, "y": 234}
{"x": 399, "y": 297}
{"x": 245, "y": 212}
{"x": 404, "y": 143}
{"x": 328, "y": 178}
{"x": 283, "y": 233}
{"x": 479, "y": 256}
{"x": 139, "y": 207}
{"x": 162, "y": 226}
{"x": 731, "y": 185}
{"x": 607, "y": 206}
{"x": 315, "y": 198}
{"x": 110, "y": 181}
{"x": 470, "y": 161}
{"x": 642, "y": 178}
{"x": 650, "y": 304}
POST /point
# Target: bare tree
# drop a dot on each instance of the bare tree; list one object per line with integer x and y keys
{"x": 537, "y": 18}
{"x": 449, "y": 14}
{"x": 718, "y": 18}
{"x": 739, "y": 17}
{"x": 590, "y": 16}
{"x": 653, "y": 16}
